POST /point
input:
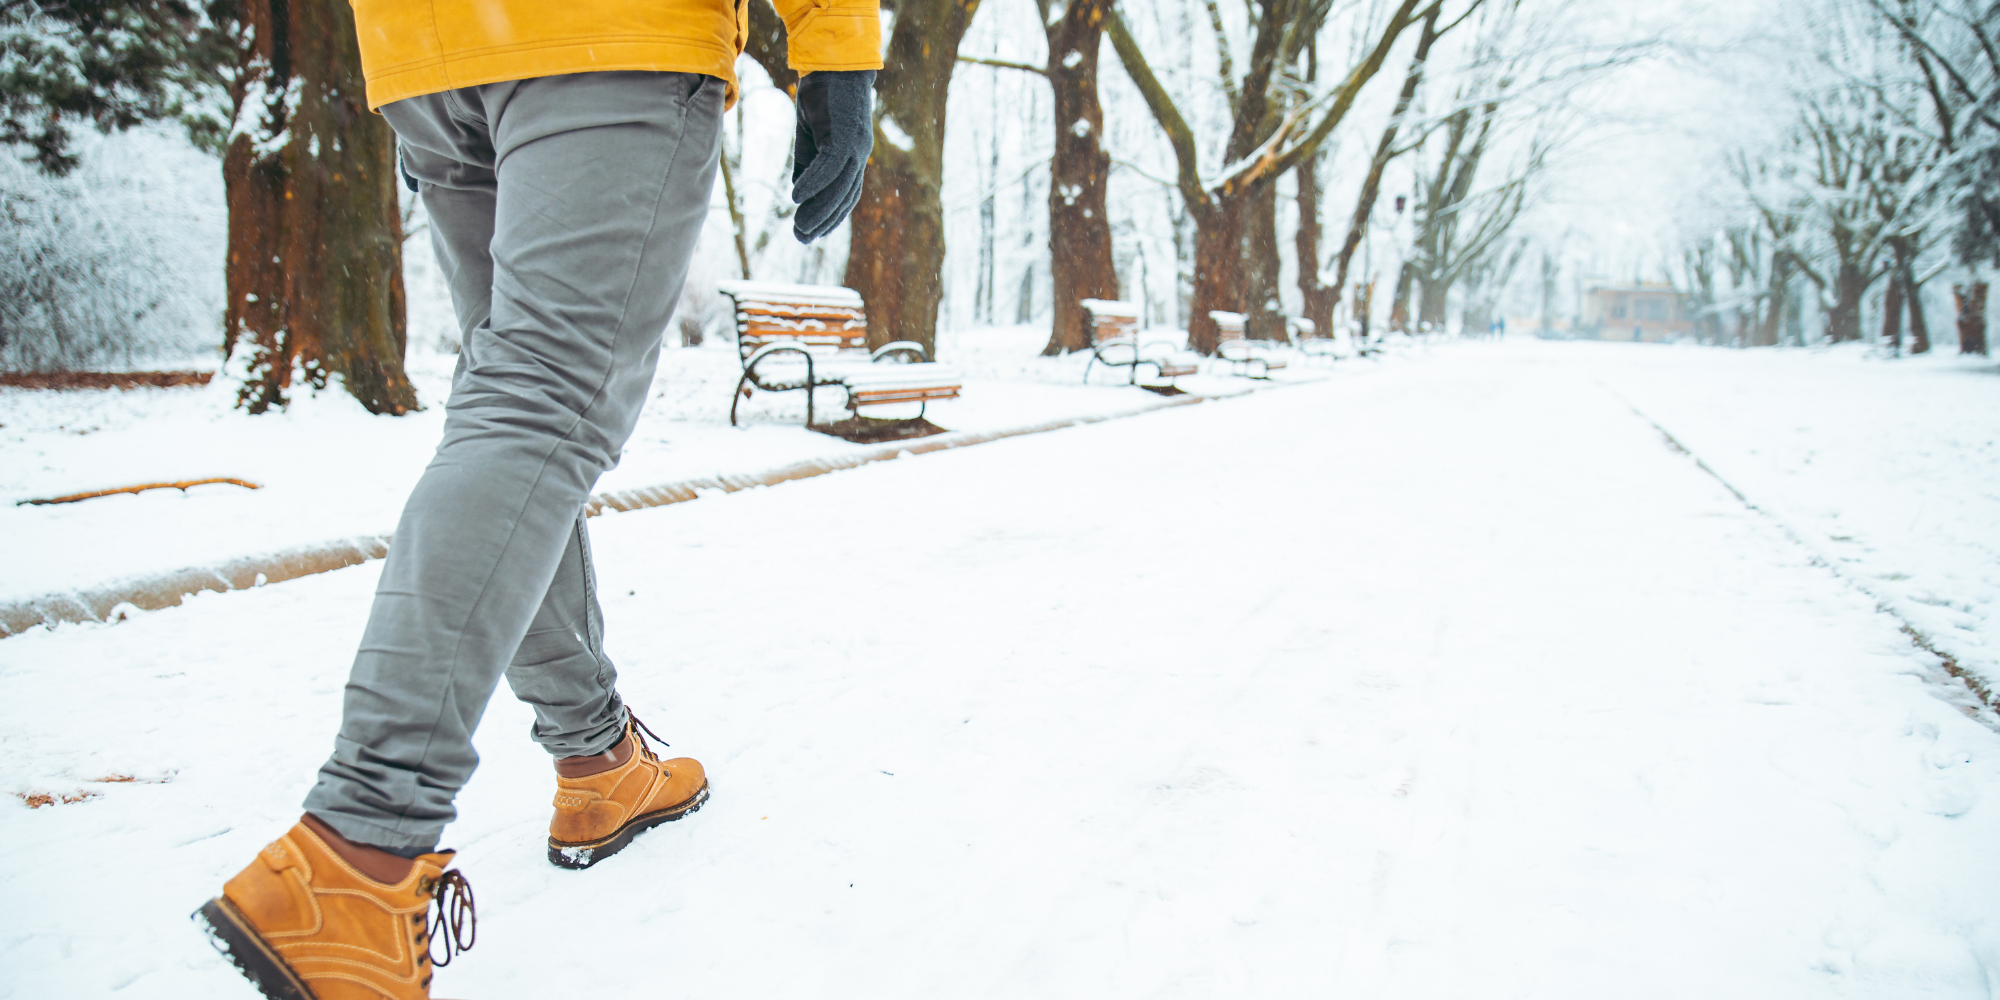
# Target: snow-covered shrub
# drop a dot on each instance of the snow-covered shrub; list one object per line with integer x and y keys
{"x": 117, "y": 264}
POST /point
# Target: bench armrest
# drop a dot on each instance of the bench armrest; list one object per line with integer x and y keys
{"x": 906, "y": 347}
{"x": 769, "y": 349}
{"x": 750, "y": 363}
{"x": 1113, "y": 343}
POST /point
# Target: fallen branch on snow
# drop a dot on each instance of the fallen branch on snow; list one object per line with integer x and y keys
{"x": 181, "y": 486}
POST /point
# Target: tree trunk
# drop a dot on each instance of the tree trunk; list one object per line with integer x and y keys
{"x": 1892, "y": 314}
{"x": 989, "y": 218}
{"x": 1318, "y": 299}
{"x": 729, "y": 165}
{"x": 1218, "y": 269}
{"x": 1971, "y": 303}
{"x": 1261, "y": 264}
{"x": 895, "y": 255}
{"x": 1399, "y": 307}
{"x": 1777, "y": 301}
{"x": 1385, "y": 149}
{"x": 1080, "y": 257}
{"x": 315, "y": 262}
{"x": 1843, "y": 317}
{"x": 1281, "y": 39}
{"x": 1920, "y": 332}
{"x": 765, "y": 43}
{"x": 1432, "y": 295}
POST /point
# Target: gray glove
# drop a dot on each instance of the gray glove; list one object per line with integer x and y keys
{"x": 830, "y": 149}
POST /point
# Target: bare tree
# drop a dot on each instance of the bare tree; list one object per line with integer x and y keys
{"x": 1275, "y": 125}
{"x": 1081, "y": 265}
{"x": 1949, "y": 46}
{"x": 1894, "y": 148}
{"x": 1386, "y": 151}
{"x": 1839, "y": 138}
{"x": 1479, "y": 156}
{"x": 1766, "y": 244}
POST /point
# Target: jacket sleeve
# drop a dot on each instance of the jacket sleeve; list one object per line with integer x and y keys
{"x": 832, "y": 34}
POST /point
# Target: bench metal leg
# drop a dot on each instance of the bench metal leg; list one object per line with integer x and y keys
{"x": 738, "y": 398}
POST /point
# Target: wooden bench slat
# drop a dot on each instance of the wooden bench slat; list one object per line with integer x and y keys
{"x": 872, "y": 397}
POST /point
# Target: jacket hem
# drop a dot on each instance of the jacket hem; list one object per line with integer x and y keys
{"x": 497, "y": 65}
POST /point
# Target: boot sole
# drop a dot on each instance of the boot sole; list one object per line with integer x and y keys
{"x": 579, "y": 856}
{"x": 232, "y": 935}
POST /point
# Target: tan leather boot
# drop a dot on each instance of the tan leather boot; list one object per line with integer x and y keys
{"x": 302, "y": 923}
{"x": 602, "y": 802}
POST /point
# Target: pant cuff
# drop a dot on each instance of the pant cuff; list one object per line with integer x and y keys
{"x": 601, "y": 741}
{"x": 362, "y": 831}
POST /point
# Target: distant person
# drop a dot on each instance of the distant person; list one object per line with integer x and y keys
{"x": 566, "y": 155}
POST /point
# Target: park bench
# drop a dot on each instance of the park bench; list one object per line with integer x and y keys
{"x": 1306, "y": 336}
{"x": 815, "y": 336}
{"x": 1114, "y": 340}
{"x": 1248, "y": 358}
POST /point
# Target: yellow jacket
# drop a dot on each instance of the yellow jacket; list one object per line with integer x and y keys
{"x": 412, "y": 47}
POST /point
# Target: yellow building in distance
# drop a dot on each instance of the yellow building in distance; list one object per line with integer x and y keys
{"x": 1644, "y": 312}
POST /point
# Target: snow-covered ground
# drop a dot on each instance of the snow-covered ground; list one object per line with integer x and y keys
{"x": 1442, "y": 679}
{"x": 1889, "y": 470}
{"x": 330, "y": 471}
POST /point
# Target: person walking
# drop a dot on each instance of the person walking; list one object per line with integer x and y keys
{"x": 565, "y": 153}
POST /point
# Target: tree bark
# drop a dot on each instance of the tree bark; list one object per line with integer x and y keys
{"x": 766, "y": 45}
{"x": 1318, "y": 300}
{"x": 728, "y": 166}
{"x": 315, "y": 261}
{"x": 1920, "y": 332}
{"x": 1971, "y": 303}
{"x": 1081, "y": 265}
{"x": 1261, "y": 264}
{"x": 1218, "y": 272}
{"x": 1399, "y": 307}
{"x": 1432, "y": 294}
{"x": 1892, "y": 313}
{"x": 1843, "y": 316}
{"x": 895, "y": 255}
{"x": 1776, "y": 302}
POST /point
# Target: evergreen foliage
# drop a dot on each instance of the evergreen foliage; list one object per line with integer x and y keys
{"x": 111, "y": 64}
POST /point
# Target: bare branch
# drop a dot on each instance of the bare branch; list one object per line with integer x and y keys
{"x": 1004, "y": 64}
{"x": 1179, "y": 135}
{"x": 1350, "y": 88}
{"x": 1228, "y": 64}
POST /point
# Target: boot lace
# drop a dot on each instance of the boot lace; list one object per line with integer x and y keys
{"x": 456, "y": 919}
{"x": 642, "y": 727}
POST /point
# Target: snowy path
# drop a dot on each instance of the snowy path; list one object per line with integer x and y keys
{"x": 1500, "y": 698}
{"x": 1888, "y": 470}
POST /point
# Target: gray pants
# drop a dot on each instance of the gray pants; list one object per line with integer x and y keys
{"x": 564, "y": 211}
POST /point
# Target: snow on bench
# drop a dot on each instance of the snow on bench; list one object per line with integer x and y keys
{"x": 1114, "y": 338}
{"x": 1306, "y": 336}
{"x": 810, "y": 336}
{"x": 1244, "y": 355}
